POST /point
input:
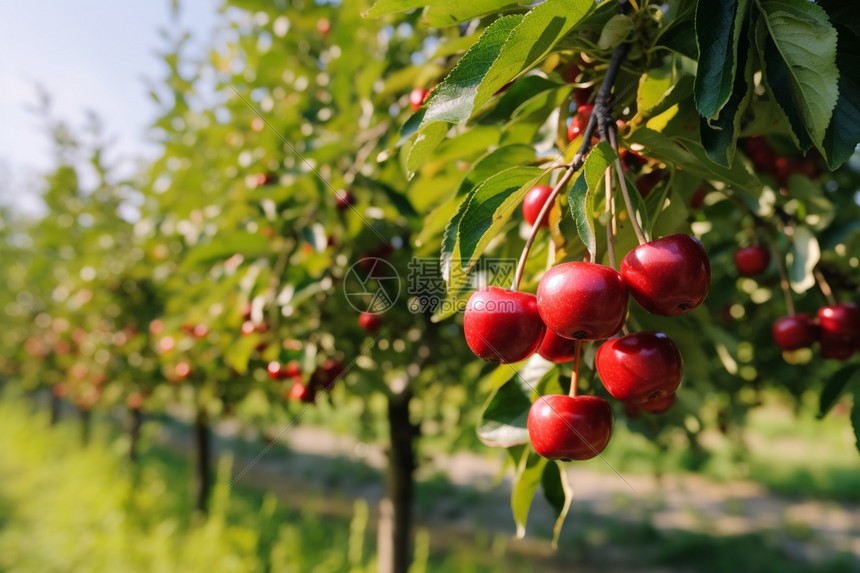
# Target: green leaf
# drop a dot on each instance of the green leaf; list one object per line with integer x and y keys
{"x": 526, "y": 480}
{"x": 833, "y": 388}
{"x": 420, "y": 147}
{"x": 691, "y": 156}
{"x": 843, "y": 133}
{"x": 615, "y": 32}
{"x": 800, "y": 54}
{"x": 718, "y": 27}
{"x": 661, "y": 88}
{"x": 720, "y": 135}
{"x": 251, "y": 245}
{"x": 559, "y": 494}
{"x": 439, "y": 13}
{"x": 503, "y": 421}
{"x": 855, "y": 420}
{"x": 446, "y": 13}
{"x": 491, "y": 206}
{"x": 510, "y": 46}
{"x": 802, "y": 258}
{"x": 484, "y": 168}
{"x": 535, "y": 375}
{"x": 581, "y": 195}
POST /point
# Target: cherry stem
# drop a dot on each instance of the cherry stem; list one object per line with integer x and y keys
{"x": 610, "y": 223}
{"x": 521, "y": 265}
{"x": 574, "y": 378}
{"x": 825, "y": 287}
{"x": 783, "y": 275}
{"x": 622, "y": 182}
{"x": 601, "y": 107}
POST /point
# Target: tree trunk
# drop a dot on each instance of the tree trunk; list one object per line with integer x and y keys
{"x": 86, "y": 423}
{"x": 134, "y": 433}
{"x": 203, "y": 443}
{"x": 394, "y": 541}
{"x": 56, "y": 404}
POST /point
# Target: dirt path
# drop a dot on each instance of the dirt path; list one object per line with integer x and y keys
{"x": 476, "y": 499}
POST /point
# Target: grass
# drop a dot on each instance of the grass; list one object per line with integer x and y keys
{"x": 64, "y": 507}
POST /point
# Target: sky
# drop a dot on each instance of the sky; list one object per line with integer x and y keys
{"x": 89, "y": 55}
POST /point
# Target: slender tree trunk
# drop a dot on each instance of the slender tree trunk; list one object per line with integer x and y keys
{"x": 56, "y": 404}
{"x": 134, "y": 433}
{"x": 86, "y": 423}
{"x": 203, "y": 443}
{"x": 394, "y": 541}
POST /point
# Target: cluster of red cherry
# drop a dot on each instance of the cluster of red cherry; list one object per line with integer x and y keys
{"x": 836, "y": 327}
{"x": 581, "y": 301}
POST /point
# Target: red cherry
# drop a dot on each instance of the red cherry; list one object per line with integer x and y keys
{"x": 840, "y": 320}
{"x": 839, "y": 330}
{"x": 835, "y": 347}
{"x": 502, "y": 325}
{"x": 370, "y": 321}
{"x": 570, "y": 72}
{"x": 293, "y": 369}
{"x": 301, "y": 392}
{"x": 200, "y": 331}
{"x": 698, "y": 198}
{"x": 323, "y": 26}
{"x": 659, "y": 405}
{"x": 579, "y": 122}
{"x": 793, "y": 332}
{"x": 632, "y": 161}
{"x": 582, "y": 96}
{"x": 669, "y": 276}
{"x": 752, "y": 261}
{"x": 646, "y": 183}
{"x": 183, "y": 370}
{"x": 557, "y": 349}
{"x": 585, "y": 301}
{"x": 333, "y": 369}
{"x": 275, "y": 371}
{"x": 569, "y": 428}
{"x": 534, "y": 202}
{"x": 640, "y": 367}
{"x": 345, "y": 199}
{"x": 417, "y": 98}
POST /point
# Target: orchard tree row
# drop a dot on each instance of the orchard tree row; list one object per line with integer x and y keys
{"x": 646, "y": 211}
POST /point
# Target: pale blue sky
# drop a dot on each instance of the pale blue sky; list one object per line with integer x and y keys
{"x": 89, "y": 54}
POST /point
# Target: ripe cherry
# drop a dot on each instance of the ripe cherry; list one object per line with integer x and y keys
{"x": 345, "y": 199}
{"x": 557, "y": 349}
{"x": 417, "y": 98}
{"x": 276, "y": 371}
{"x": 333, "y": 369}
{"x": 182, "y": 370}
{"x": 584, "y": 301}
{"x": 582, "y": 96}
{"x": 794, "y": 332}
{"x": 569, "y": 428}
{"x": 752, "y": 261}
{"x": 502, "y": 325}
{"x": 299, "y": 391}
{"x": 534, "y": 202}
{"x": 646, "y": 183}
{"x": 835, "y": 347}
{"x": 640, "y": 367}
{"x": 370, "y": 321}
{"x": 632, "y": 161}
{"x": 293, "y": 369}
{"x": 323, "y": 26}
{"x": 579, "y": 122}
{"x": 669, "y": 276}
{"x": 839, "y": 330}
{"x": 840, "y": 320}
{"x": 659, "y": 405}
